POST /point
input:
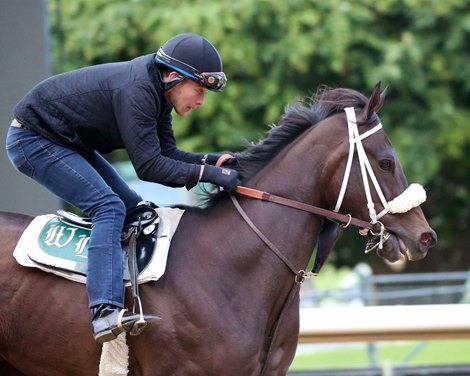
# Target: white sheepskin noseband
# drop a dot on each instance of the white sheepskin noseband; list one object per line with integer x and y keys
{"x": 412, "y": 197}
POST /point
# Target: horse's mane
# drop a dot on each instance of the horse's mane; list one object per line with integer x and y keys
{"x": 298, "y": 117}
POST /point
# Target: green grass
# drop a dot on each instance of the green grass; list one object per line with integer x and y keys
{"x": 356, "y": 355}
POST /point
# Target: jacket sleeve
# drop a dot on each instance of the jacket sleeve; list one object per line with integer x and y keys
{"x": 137, "y": 110}
{"x": 168, "y": 143}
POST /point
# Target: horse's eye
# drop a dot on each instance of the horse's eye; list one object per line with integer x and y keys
{"x": 386, "y": 164}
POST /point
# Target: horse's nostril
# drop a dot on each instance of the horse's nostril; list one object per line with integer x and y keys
{"x": 428, "y": 239}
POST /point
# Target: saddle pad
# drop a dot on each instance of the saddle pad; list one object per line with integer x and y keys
{"x": 29, "y": 244}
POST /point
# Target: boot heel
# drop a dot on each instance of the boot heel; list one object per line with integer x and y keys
{"x": 104, "y": 336}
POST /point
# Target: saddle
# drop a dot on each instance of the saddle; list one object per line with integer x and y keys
{"x": 58, "y": 244}
{"x": 138, "y": 237}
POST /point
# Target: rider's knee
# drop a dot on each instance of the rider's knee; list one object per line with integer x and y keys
{"x": 111, "y": 206}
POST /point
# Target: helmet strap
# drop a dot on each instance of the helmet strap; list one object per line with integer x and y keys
{"x": 167, "y": 85}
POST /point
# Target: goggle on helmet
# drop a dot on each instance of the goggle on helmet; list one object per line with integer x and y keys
{"x": 214, "y": 81}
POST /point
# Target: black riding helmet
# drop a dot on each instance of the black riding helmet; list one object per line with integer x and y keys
{"x": 194, "y": 57}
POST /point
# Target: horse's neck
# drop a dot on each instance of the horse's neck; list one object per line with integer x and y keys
{"x": 295, "y": 174}
{"x": 298, "y": 174}
{"x": 227, "y": 252}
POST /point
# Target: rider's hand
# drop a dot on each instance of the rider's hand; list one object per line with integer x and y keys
{"x": 221, "y": 176}
{"x": 218, "y": 160}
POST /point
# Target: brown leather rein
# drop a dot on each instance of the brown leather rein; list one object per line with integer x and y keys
{"x": 346, "y": 219}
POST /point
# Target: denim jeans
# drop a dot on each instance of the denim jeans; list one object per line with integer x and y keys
{"x": 91, "y": 184}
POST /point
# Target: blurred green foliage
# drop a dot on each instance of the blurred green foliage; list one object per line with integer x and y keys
{"x": 276, "y": 51}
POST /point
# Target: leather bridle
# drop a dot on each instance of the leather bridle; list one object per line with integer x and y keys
{"x": 412, "y": 197}
{"x": 346, "y": 219}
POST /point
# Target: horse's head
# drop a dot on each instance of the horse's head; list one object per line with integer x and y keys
{"x": 332, "y": 152}
{"x": 368, "y": 179}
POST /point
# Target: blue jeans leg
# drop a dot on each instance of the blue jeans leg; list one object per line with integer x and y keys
{"x": 78, "y": 180}
{"x": 114, "y": 180}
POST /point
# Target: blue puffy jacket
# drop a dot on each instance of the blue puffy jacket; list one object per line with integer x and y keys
{"x": 108, "y": 107}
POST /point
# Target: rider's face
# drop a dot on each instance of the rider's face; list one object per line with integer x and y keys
{"x": 186, "y": 96}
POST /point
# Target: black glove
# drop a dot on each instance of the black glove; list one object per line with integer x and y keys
{"x": 222, "y": 176}
{"x": 231, "y": 163}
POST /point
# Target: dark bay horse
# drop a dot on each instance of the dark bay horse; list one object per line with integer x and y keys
{"x": 228, "y": 302}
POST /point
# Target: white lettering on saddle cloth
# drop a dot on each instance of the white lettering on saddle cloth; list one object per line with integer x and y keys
{"x": 56, "y": 236}
{"x": 48, "y": 242}
{"x": 61, "y": 245}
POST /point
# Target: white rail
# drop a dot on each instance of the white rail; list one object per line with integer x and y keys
{"x": 380, "y": 323}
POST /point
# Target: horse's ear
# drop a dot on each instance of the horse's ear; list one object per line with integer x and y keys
{"x": 375, "y": 102}
{"x": 383, "y": 94}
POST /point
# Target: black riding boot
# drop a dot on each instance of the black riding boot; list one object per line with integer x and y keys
{"x": 109, "y": 321}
